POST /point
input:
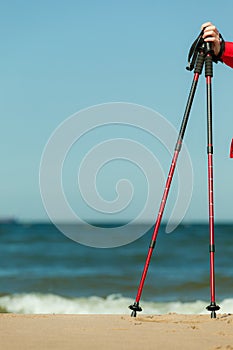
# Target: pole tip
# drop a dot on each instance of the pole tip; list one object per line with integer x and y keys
{"x": 213, "y": 314}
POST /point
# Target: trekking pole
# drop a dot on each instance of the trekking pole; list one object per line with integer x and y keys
{"x": 197, "y": 51}
{"x": 209, "y": 74}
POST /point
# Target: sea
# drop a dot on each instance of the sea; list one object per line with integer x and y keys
{"x": 43, "y": 271}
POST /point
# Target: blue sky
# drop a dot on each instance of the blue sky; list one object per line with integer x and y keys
{"x": 58, "y": 57}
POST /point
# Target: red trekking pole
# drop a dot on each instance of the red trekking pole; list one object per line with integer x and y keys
{"x": 209, "y": 74}
{"x": 199, "y": 56}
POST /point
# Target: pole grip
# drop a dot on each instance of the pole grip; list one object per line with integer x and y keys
{"x": 199, "y": 63}
{"x": 208, "y": 66}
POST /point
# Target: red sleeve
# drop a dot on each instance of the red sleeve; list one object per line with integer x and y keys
{"x": 227, "y": 56}
{"x": 231, "y": 149}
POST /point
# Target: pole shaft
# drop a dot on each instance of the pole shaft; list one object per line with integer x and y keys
{"x": 157, "y": 225}
{"x": 211, "y": 227}
{"x": 210, "y": 186}
{"x": 168, "y": 183}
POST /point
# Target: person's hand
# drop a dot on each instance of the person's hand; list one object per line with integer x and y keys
{"x": 211, "y": 34}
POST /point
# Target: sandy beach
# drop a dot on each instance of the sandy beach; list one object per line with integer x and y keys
{"x": 171, "y": 331}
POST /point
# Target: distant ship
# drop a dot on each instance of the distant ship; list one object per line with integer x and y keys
{"x": 9, "y": 221}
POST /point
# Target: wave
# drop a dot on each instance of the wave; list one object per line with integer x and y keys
{"x": 35, "y": 303}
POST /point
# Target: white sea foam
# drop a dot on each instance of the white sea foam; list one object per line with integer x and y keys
{"x": 114, "y": 304}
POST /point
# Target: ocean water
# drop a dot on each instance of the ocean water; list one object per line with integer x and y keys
{"x": 42, "y": 271}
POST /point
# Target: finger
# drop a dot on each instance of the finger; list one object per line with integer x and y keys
{"x": 210, "y": 38}
{"x": 211, "y": 31}
{"x": 206, "y": 24}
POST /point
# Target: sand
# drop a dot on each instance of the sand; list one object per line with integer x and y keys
{"x": 172, "y": 331}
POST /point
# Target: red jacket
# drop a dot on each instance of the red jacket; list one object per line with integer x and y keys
{"x": 227, "y": 56}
